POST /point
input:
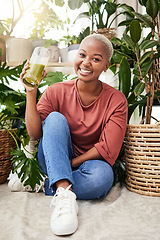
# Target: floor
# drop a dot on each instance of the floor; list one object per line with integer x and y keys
{"x": 122, "y": 215}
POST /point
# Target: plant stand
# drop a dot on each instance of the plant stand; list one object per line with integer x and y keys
{"x": 142, "y": 158}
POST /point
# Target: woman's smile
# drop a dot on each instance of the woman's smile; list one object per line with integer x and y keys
{"x": 85, "y": 71}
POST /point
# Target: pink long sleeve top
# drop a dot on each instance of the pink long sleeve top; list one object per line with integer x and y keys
{"x": 101, "y": 124}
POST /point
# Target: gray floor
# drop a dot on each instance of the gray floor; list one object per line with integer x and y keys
{"x": 122, "y": 215}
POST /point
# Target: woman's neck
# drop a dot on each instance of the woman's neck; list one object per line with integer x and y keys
{"x": 92, "y": 87}
{"x": 89, "y": 91}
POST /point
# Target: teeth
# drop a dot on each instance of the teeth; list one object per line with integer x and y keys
{"x": 85, "y": 71}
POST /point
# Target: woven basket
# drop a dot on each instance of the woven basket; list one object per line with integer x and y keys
{"x": 142, "y": 158}
{"x": 107, "y": 32}
{"x": 6, "y": 143}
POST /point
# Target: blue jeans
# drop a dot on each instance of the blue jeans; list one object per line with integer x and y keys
{"x": 92, "y": 179}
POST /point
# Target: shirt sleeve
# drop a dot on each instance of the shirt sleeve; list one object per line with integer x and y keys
{"x": 113, "y": 131}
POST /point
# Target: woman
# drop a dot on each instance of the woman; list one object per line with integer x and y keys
{"x": 81, "y": 124}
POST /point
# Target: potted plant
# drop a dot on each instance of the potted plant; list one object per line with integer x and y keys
{"x": 142, "y": 141}
{"x": 6, "y": 30}
{"x": 100, "y": 12}
{"x": 73, "y": 43}
{"x": 46, "y": 18}
{"x": 11, "y": 102}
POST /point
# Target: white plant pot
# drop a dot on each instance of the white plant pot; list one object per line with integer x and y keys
{"x": 64, "y": 54}
{"x": 72, "y": 52}
{"x": 37, "y": 43}
{"x": 18, "y": 49}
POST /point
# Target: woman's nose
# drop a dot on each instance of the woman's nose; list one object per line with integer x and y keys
{"x": 86, "y": 61}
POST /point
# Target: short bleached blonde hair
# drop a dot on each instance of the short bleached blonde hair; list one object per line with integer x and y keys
{"x": 103, "y": 39}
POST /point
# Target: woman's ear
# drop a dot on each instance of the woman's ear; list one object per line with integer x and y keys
{"x": 107, "y": 66}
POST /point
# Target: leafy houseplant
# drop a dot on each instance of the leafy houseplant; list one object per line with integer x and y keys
{"x": 46, "y": 18}
{"x": 69, "y": 40}
{"x": 144, "y": 53}
{"x": 97, "y": 10}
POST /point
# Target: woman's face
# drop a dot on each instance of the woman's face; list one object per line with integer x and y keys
{"x": 91, "y": 60}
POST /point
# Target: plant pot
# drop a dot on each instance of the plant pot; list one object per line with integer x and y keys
{"x": 64, "y": 54}
{"x": 142, "y": 158}
{"x": 3, "y": 39}
{"x": 72, "y": 52}
{"x": 6, "y": 143}
{"x": 18, "y": 49}
{"x": 37, "y": 43}
{"x": 107, "y": 32}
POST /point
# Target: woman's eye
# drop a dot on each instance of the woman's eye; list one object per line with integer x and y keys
{"x": 96, "y": 59}
{"x": 81, "y": 55}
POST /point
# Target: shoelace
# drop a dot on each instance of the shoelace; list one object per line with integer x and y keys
{"x": 62, "y": 200}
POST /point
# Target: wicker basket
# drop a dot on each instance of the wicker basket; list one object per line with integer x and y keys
{"x": 142, "y": 158}
{"x": 6, "y": 143}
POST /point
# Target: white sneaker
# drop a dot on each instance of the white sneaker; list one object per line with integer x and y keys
{"x": 64, "y": 219}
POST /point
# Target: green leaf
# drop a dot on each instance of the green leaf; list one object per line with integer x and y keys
{"x": 135, "y": 31}
{"x": 142, "y": 2}
{"x": 139, "y": 88}
{"x": 144, "y": 19}
{"x": 59, "y": 3}
{"x": 125, "y": 23}
{"x": 7, "y": 73}
{"x": 52, "y": 77}
{"x": 116, "y": 41}
{"x": 145, "y": 67}
{"x": 124, "y": 77}
{"x": 125, "y": 8}
{"x": 110, "y": 8}
{"x": 152, "y": 8}
{"x": 29, "y": 170}
{"x": 145, "y": 56}
{"x": 119, "y": 55}
{"x": 82, "y": 15}
{"x": 113, "y": 68}
{"x": 75, "y": 4}
{"x": 148, "y": 44}
{"x": 129, "y": 41}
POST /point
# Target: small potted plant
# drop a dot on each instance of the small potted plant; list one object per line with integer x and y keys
{"x": 73, "y": 43}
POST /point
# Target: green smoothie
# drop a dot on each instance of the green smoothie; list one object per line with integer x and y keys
{"x": 33, "y": 75}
